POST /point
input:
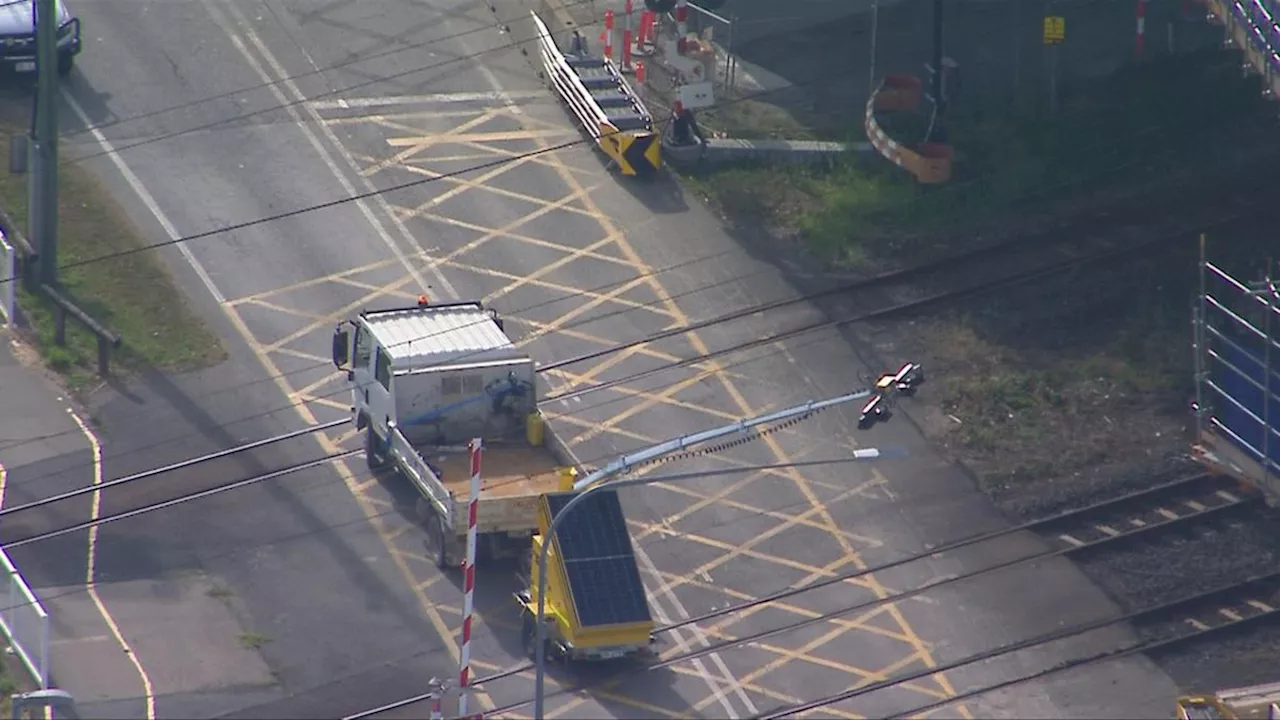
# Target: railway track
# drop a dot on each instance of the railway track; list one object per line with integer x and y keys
{"x": 1181, "y": 621}
{"x": 1146, "y": 514}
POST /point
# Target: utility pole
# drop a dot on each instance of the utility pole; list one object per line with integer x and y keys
{"x": 875, "y": 32}
{"x": 43, "y": 208}
{"x": 937, "y": 133}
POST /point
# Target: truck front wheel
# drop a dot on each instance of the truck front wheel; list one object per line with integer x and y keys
{"x": 373, "y": 450}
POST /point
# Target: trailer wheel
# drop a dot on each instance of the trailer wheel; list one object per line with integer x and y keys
{"x": 529, "y": 635}
{"x": 436, "y": 547}
{"x": 373, "y": 450}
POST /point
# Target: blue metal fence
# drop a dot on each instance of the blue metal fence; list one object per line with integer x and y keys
{"x": 1261, "y": 18}
{"x": 1244, "y": 378}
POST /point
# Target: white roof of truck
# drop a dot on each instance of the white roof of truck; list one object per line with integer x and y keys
{"x": 421, "y": 336}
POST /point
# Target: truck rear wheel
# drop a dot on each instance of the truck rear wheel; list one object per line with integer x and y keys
{"x": 437, "y": 548}
{"x": 529, "y": 635}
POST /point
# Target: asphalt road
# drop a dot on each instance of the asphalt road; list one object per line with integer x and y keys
{"x": 579, "y": 260}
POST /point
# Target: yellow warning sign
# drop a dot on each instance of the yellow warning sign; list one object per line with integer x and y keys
{"x": 635, "y": 152}
{"x": 1055, "y": 29}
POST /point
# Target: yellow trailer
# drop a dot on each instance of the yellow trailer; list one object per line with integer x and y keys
{"x": 596, "y": 607}
{"x": 1256, "y": 702}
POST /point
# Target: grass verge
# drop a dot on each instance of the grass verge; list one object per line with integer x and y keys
{"x": 12, "y": 675}
{"x": 132, "y": 295}
{"x": 1133, "y": 127}
{"x": 1075, "y": 388}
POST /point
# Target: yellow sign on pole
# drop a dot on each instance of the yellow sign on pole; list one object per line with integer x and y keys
{"x": 1055, "y": 29}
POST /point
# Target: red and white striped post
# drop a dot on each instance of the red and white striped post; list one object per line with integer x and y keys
{"x": 469, "y": 578}
{"x": 1140, "y": 41}
{"x": 641, "y": 77}
{"x": 682, "y": 24}
{"x": 608, "y": 34}
{"x": 626, "y": 37}
{"x": 643, "y": 34}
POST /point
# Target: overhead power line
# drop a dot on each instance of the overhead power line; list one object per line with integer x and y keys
{"x": 782, "y": 336}
{"x": 843, "y": 288}
{"x": 659, "y": 126}
{"x": 349, "y": 62}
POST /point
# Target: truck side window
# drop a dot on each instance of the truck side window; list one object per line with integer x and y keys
{"x": 472, "y": 385}
{"x": 383, "y": 371}
{"x": 364, "y": 348}
{"x": 450, "y": 385}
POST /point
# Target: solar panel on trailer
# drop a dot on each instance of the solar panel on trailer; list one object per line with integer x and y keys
{"x": 607, "y": 591}
{"x": 599, "y": 560}
{"x": 596, "y": 528}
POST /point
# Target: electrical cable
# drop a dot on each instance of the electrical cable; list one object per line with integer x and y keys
{"x": 517, "y": 314}
{"x": 685, "y": 331}
{"x": 793, "y": 591}
{"x": 515, "y": 44}
{"x": 396, "y": 511}
{"x": 1012, "y": 647}
{"x": 813, "y": 327}
{"x": 499, "y": 24}
{"x": 324, "y": 459}
{"x": 371, "y": 193}
{"x": 842, "y": 288}
{"x": 659, "y": 128}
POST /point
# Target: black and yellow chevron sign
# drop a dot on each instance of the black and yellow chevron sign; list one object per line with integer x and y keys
{"x": 641, "y": 153}
{"x": 637, "y": 153}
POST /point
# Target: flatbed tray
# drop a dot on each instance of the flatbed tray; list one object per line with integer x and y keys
{"x": 507, "y": 470}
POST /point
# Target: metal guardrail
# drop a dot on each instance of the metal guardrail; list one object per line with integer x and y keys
{"x": 8, "y": 279}
{"x": 25, "y": 623}
{"x": 19, "y": 265}
{"x": 64, "y": 308}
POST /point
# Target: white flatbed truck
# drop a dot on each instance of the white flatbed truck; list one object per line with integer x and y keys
{"x": 427, "y": 379}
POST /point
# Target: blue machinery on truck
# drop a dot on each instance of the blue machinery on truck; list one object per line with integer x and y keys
{"x": 603, "y": 102}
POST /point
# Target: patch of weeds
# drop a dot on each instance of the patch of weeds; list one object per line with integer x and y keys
{"x": 219, "y": 592}
{"x": 131, "y": 294}
{"x": 1133, "y": 127}
{"x": 253, "y": 640}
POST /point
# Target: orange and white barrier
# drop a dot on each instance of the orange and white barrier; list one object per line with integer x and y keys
{"x": 626, "y": 37}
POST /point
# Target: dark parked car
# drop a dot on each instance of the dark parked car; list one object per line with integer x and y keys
{"x": 18, "y": 37}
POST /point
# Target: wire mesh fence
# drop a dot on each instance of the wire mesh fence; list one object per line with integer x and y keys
{"x": 24, "y": 622}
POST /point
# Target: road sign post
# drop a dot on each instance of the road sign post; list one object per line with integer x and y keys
{"x": 1055, "y": 32}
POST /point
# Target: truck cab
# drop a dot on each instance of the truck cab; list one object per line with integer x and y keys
{"x": 427, "y": 380}
{"x": 18, "y": 37}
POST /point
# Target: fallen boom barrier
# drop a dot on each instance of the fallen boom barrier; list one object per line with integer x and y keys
{"x": 603, "y": 102}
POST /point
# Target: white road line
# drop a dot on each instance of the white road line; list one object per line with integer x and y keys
{"x": 437, "y": 99}
{"x": 303, "y": 411}
{"x": 150, "y": 202}
{"x": 717, "y": 687}
{"x": 91, "y": 583}
{"x": 281, "y": 77}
